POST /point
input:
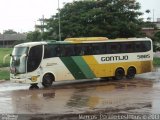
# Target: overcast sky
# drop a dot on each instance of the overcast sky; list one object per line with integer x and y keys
{"x": 21, "y": 15}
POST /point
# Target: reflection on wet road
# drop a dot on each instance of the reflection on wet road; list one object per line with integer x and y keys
{"x": 141, "y": 95}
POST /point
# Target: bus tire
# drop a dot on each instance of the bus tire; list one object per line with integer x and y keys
{"x": 119, "y": 74}
{"x": 131, "y": 73}
{"x": 33, "y": 86}
{"x": 47, "y": 80}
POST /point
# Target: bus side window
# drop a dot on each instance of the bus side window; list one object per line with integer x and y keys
{"x": 46, "y": 51}
{"x": 114, "y": 48}
{"x": 51, "y": 51}
{"x": 138, "y": 47}
{"x": 98, "y": 48}
{"x": 129, "y": 47}
{"x": 146, "y": 46}
{"x": 87, "y": 49}
{"x": 67, "y": 50}
{"x": 57, "y": 51}
{"x": 78, "y": 50}
{"x": 54, "y": 51}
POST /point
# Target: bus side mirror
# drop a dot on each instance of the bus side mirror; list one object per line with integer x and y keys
{"x": 24, "y": 55}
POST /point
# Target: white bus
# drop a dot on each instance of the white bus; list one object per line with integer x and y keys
{"x": 80, "y": 58}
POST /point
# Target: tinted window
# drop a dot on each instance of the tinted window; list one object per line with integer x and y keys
{"x": 113, "y": 48}
{"x": 34, "y": 58}
{"x": 86, "y": 49}
{"x": 67, "y": 50}
{"x": 127, "y": 47}
{"x": 142, "y": 46}
{"x": 51, "y": 51}
{"x": 146, "y": 46}
{"x": 83, "y": 49}
{"x": 78, "y": 50}
{"x": 138, "y": 47}
{"x": 98, "y": 48}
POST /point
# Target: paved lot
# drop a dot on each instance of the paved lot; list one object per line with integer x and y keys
{"x": 75, "y": 100}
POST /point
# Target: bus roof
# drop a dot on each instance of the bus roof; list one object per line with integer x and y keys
{"x": 87, "y": 39}
{"x": 31, "y": 44}
{"x": 81, "y": 40}
{"x": 102, "y": 39}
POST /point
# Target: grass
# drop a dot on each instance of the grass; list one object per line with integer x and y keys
{"x": 4, "y": 52}
{"x": 4, "y": 74}
{"x": 156, "y": 61}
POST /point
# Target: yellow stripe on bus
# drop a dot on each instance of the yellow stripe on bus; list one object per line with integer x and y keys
{"x": 108, "y": 69}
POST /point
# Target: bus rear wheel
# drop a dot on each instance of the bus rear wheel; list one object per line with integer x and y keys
{"x": 119, "y": 73}
{"x": 47, "y": 80}
{"x": 131, "y": 73}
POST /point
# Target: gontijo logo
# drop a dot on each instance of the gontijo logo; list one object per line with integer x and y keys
{"x": 114, "y": 58}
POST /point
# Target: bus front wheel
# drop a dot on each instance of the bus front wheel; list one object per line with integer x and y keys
{"x": 119, "y": 73}
{"x": 131, "y": 73}
{"x": 47, "y": 80}
{"x": 33, "y": 86}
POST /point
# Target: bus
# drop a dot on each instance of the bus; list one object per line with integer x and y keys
{"x": 80, "y": 58}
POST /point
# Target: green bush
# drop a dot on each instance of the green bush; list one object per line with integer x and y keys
{"x": 156, "y": 61}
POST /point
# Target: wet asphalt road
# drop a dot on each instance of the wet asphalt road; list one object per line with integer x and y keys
{"x": 138, "y": 96}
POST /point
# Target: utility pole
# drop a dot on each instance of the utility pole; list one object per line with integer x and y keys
{"x": 42, "y": 24}
{"x": 59, "y": 21}
{"x": 3, "y": 38}
{"x": 153, "y": 15}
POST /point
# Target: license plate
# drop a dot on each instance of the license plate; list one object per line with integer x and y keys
{"x": 13, "y": 70}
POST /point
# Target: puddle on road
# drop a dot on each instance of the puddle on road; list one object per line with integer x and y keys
{"x": 125, "y": 96}
{"x": 155, "y": 75}
{"x": 122, "y": 95}
{"x": 9, "y": 86}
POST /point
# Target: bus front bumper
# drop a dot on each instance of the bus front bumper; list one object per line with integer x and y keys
{"x": 18, "y": 80}
{"x": 24, "y": 80}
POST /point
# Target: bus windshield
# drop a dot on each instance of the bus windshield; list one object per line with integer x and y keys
{"x": 18, "y": 51}
{"x": 18, "y": 60}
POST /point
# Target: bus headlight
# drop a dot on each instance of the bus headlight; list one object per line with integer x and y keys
{"x": 34, "y": 78}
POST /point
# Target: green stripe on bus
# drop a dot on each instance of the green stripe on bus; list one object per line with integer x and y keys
{"x": 73, "y": 68}
{"x": 83, "y": 66}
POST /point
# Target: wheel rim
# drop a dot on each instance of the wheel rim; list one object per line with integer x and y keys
{"x": 131, "y": 73}
{"x": 47, "y": 80}
{"x": 119, "y": 74}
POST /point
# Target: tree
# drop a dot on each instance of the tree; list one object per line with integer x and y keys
{"x": 148, "y": 11}
{"x": 157, "y": 37}
{"x": 156, "y": 43}
{"x": 109, "y": 18}
{"x": 34, "y": 36}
